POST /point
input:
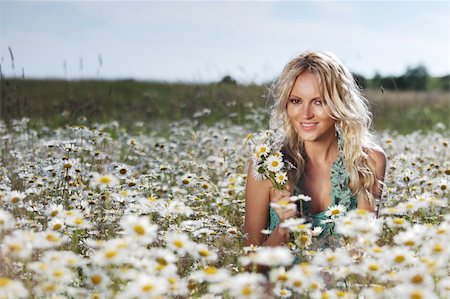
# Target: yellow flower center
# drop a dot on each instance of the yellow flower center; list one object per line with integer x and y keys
{"x": 416, "y": 279}
{"x": 58, "y": 273}
{"x": 138, "y": 229}
{"x": 109, "y": 254}
{"x": 15, "y": 199}
{"x": 178, "y": 243}
{"x": 49, "y": 288}
{"x": 304, "y": 238}
{"x": 96, "y": 279}
{"x": 246, "y": 291}
{"x": 409, "y": 243}
{"x": 185, "y": 182}
{"x": 274, "y": 163}
{"x": 147, "y": 287}
{"x": 78, "y": 221}
{"x": 210, "y": 270}
{"x": 415, "y": 295}
{"x": 57, "y": 226}
{"x": 399, "y": 259}
{"x": 283, "y": 203}
{"x": 51, "y": 238}
{"x": 151, "y": 198}
{"x": 335, "y": 212}
{"x": 4, "y": 281}
{"x": 203, "y": 252}
{"x": 283, "y": 292}
{"x": 378, "y": 289}
{"x": 162, "y": 261}
{"x": 399, "y": 220}
{"x": 104, "y": 180}
{"x": 14, "y": 247}
{"x": 373, "y": 267}
{"x": 437, "y": 248}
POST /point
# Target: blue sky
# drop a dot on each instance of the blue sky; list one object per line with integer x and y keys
{"x": 204, "y": 41}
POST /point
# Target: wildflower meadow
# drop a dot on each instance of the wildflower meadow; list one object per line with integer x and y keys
{"x": 99, "y": 211}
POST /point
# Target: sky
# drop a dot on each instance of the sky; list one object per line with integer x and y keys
{"x": 203, "y": 41}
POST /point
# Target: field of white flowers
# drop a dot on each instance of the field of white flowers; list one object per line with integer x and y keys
{"x": 96, "y": 212}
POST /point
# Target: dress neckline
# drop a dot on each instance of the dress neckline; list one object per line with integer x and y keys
{"x": 340, "y": 191}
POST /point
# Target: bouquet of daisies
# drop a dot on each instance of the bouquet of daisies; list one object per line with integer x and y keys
{"x": 267, "y": 157}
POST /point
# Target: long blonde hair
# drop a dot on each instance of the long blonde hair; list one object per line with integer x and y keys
{"x": 348, "y": 107}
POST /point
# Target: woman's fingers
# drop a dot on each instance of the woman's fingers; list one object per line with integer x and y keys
{"x": 284, "y": 213}
{"x": 277, "y": 195}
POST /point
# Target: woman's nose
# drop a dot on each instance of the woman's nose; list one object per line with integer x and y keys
{"x": 307, "y": 112}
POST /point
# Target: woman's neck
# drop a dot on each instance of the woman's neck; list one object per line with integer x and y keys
{"x": 322, "y": 151}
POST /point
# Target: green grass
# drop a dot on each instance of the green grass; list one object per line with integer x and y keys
{"x": 55, "y": 103}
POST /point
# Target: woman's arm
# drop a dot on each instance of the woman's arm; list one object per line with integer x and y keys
{"x": 377, "y": 159}
{"x": 257, "y": 199}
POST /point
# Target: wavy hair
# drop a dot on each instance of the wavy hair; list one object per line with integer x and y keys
{"x": 348, "y": 107}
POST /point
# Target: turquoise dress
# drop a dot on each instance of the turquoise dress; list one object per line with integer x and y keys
{"x": 340, "y": 194}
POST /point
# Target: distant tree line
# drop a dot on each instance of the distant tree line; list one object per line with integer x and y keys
{"x": 415, "y": 78}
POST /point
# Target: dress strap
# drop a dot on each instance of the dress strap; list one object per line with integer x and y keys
{"x": 340, "y": 191}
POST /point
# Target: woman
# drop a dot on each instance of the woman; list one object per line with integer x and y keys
{"x": 326, "y": 123}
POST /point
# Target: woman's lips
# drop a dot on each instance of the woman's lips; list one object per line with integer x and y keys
{"x": 308, "y": 126}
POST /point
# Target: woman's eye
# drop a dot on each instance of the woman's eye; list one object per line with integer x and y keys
{"x": 294, "y": 101}
{"x": 318, "y": 102}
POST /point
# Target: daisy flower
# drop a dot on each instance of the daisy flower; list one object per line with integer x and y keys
{"x": 179, "y": 243}
{"x": 145, "y": 286}
{"x": 281, "y": 177}
{"x": 201, "y": 251}
{"x": 19, "y": 244}
{"x": 247, "y": 285}
{"x": 262, "y": 150}
{"x": 188, "y": 180}
{"x": 10, "y": 288}
{"x": 274, "y": 163}
{"x": 335, "y": 211}
{"x": 273, "y": 256}
{"x": 15, "y": 197}
{"x": 103, "y": 181}
{"x": 210, "y": 274}
{"x": 50, "y": 239}
{"x": 139, "y": 228}
{"x": 6, "y": 220}
{"x": 282, "y": 292}
{"x": 97, "y": 278}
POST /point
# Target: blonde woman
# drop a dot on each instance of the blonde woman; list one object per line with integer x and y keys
{"x": 325, "y": 121}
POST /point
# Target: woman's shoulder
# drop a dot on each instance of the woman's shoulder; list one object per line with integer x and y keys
{"x": 376, "y": 156}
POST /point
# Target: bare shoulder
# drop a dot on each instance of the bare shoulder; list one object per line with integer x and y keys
{"x": 377, "y": 155}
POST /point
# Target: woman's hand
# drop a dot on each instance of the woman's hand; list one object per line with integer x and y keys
{"x": 281, "y": 202}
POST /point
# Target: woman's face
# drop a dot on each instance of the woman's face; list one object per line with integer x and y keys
{"x": 307, "y": 111}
